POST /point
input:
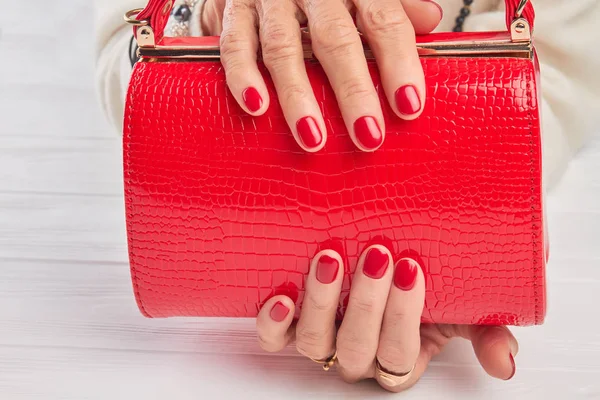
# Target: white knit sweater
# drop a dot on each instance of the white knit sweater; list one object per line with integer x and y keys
{"x": 567, "y": 37}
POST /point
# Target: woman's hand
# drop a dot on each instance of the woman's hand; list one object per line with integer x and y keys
{"x": 382, "y": 322}
{"x": 274, "y": 26}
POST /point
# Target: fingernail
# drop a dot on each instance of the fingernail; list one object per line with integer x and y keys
{"x": 514, "y": 367}
{"x": 368, "y": 134}
{"x": 309, "y": 132}
{"x": 407, "y": 100}
{"x": 279, "y": 312}
{"x": 252, "y": 99}
{"x": 405, "y": 275}
{"x": 327, "y": 269}
{"x": 438, "y": 6}
{"x": 376, "y": 263}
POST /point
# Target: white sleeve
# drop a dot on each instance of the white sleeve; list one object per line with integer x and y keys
{"x": 113, "y": 66}
{"x": 566, "y": 37}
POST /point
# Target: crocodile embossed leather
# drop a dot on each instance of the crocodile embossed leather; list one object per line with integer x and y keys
{"x": 224, "y": 210}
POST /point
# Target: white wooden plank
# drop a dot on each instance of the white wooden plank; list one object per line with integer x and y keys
{"x": 61, "y": 227}
{"x": 77, "y": 374}
{"x": 40, "y": 164}
{"x": 51, "y": 111}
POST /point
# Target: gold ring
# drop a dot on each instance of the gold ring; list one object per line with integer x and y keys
{"x": 390, "y": 378}
{"x": 327, "y": 362}
{"x": 129, "y": 17}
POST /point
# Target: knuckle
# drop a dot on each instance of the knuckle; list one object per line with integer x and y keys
{"x": 356, "y": 90}
{"x": 236, "y": 7}
{"x": 396, "y": 316}
{"x": 278, "y": 42}
{"x": 315, "y": 303}
{"x": 333, "y": 35}
{"x": 292, "y": 93}
{"x": 351, "y": 376}
{"x": 379, "y": 19}
{"x": 366, "y": 305}
{"x": 267, "y": 344}
{"x": 233, "y": 43}
{"x": 397, "y": 360}
{"x": 317, "y": 352}
{"x": 311, "y": 337}
{"x": 353, "y": 354}
{"x": 314, "y": 343}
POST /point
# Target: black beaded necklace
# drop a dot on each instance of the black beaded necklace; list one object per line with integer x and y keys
{"x": 464, "y": 13}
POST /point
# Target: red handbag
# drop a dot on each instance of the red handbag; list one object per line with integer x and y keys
{"x": 224, "y": 210}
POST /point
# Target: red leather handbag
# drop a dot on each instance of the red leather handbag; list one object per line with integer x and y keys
{"x": 224, "y": 210}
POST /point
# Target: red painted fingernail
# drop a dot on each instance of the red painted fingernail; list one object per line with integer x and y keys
{"x": 309, "y": 132}
{"x": 514, "y": 367}
{"x": 279, "y": 312}
{"x": 376, "y": 263}
{"x": 438, "y": 6}
{"x": 405, "y": 275}
{"x": 252, "y": 99}
{"x": 327, "y": 269}
{"x": 368, "y": 133}
{"x": 407, "y": 100}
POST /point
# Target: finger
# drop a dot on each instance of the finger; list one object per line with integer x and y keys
{"x": 358, "y": 337}
{"x": 284, "y": 58}
{"x": 315, "y": 331}
{"x": 425, "y": 15}
{"x": 211, "y": 19}
{"x": 239, "y": 45}
{"x": 496, "y": 348}
{"x": 391, "y": 37}
{"x": 431, "y": 345}
{"x": 273, "y": 324}
{"x": 337, "y": 45}
{"x": 490, "y": 344}
{"x": 400, "y": 342}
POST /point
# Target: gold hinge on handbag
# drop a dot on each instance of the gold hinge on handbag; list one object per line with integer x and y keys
{"x": 517, "y": 43}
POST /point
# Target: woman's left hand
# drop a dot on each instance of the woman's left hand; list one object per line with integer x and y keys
{"x": 381, "y": 325}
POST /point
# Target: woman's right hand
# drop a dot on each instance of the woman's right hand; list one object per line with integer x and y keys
{"x": 389, "y": 27}
{"x": 381, "y": 330}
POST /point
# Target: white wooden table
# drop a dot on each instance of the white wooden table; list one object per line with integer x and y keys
{"x": 69, "y": 328}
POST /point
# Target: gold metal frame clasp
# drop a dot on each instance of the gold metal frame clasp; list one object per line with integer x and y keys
{"x": 520, "y": 29}
{"x": 129, "y": 18}
{"x": 144, "y": 33}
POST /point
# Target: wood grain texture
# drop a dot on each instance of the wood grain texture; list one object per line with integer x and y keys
{"x": 69, "y": 325}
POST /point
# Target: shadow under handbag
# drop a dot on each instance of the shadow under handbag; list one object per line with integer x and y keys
{"x": 224, "y": 210}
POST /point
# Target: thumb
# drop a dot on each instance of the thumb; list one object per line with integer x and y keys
{"x": 495, "y": 348}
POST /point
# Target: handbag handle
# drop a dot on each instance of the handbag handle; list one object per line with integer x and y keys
{"x": 156, "y": 15}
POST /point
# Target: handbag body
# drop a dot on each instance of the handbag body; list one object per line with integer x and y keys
{"x": 224, "y": 210}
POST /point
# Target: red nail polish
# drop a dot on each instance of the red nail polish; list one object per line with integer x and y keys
{"x": 327, "y": 269}
{"x": 252, "y": 99}
{"x": 438, "y": 6}
{"x": 309, "y": 132}
{"x": 376, "y": 263}
{"x": 514, "y": 367}
{"x": 368, "y": 133}
{"x": 405, "y": 275}
{"x": 279, "y": 312}
{"x": 407, "y": 100}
